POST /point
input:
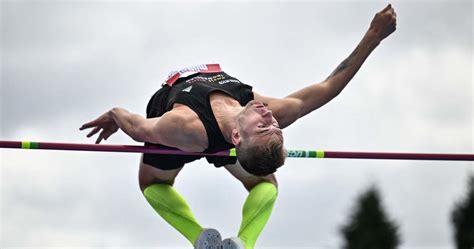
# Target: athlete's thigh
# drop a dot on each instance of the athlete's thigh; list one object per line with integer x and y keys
{"x": 149, "y": 175}
{"x": 247, "y": 179}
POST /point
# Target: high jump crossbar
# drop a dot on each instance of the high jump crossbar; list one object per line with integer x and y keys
{"x": 155, "y": 149}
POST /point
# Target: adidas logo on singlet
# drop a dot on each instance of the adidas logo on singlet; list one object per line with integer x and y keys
{"x": 187, "y": 89}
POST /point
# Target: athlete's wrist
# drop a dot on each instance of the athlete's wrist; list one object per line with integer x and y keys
{"x": 116, "y": 111}
{"x": 372, "y": 39}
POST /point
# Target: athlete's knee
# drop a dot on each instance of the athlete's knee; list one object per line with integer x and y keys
{"x": 249, "y": 185}
{"x": 149, "y": 175}
{"x": 144, "y": 183}
{"x": 273, "y": 180}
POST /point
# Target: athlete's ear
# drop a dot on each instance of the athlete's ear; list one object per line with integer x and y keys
{"x": 235, "y": 137}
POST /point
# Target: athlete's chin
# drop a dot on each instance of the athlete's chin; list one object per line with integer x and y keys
{"x": 247, "y": 108}
{"x": 250, "y": 104}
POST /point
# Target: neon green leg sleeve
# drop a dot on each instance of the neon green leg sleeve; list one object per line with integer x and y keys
{"x": 174, "y": 209}
{"x": 256, "y": 212}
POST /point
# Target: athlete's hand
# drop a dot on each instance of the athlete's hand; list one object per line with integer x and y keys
{"x": 105, "y": 123}
{"x": 384, "y": 23}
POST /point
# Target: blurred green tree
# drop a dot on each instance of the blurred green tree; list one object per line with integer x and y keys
{"x": 369, "y": 227}
{"x": 462, "y": 219}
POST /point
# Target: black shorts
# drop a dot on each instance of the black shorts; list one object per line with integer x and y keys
{"x": 157, "y": 107}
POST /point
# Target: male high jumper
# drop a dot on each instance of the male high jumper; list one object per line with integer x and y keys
{"x": 209, "y": 111}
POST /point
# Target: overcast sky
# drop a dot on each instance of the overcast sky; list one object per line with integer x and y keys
{"x": 63, "y": 64}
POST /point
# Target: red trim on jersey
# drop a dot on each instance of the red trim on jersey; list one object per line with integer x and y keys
{"x": 204, "y": 68}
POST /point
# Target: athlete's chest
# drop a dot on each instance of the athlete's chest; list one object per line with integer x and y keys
{"x": 192, "y": 134}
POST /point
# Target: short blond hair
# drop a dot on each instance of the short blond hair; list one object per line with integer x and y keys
{"x": 262, "y": 159}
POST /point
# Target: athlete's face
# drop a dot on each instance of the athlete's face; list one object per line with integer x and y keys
{"x": 256, "y": 121}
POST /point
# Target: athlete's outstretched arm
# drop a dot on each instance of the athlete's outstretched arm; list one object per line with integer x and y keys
{"x": 134, "y": 125}
{"x": 315, "y": 96}
{"x": 308, "y": 99}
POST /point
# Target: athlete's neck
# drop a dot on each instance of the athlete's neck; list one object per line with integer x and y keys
{"x": 225, "y": 110}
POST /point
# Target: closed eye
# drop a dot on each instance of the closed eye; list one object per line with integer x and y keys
{"x": 265, "y": 126}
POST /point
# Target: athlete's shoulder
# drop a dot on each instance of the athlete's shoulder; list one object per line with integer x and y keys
{"x": 179, "y": 115}
{"x": 181, "y": 128}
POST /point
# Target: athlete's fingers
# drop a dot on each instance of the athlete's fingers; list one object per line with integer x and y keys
{"x": 83, "y": 127}
{"x": 392, "y": 11}
{"x": 389, "y": 6}
{"x": 94, "y": 131}
{"x": 393, "y": 28}
{"x": 88, "y": 125}
{"x": 99, "y": 139}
